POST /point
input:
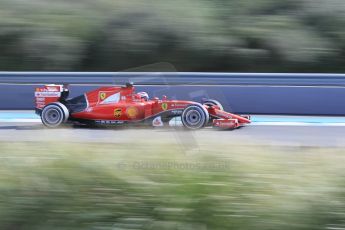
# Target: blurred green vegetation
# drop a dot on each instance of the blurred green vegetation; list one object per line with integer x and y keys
{"x": 158, "y": 186}
{"x": 192, "y": 35}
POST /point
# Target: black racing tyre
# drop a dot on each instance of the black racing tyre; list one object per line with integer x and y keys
{"x": 54, "y": 114}
{"x": 195, "y": 116}
{"x": 211, "y": 102}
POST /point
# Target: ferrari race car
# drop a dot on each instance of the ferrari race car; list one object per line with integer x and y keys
{"x": 121, "y": 105}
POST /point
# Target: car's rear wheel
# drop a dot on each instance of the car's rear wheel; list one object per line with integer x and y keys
{"x": 211, "y": 102}
{"x": 195, "y": 116}
{"x": 54, "y": 114}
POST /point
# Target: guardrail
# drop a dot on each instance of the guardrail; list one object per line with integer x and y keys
{"x": 180, "y": 78}
{"x": 263, "y": 93}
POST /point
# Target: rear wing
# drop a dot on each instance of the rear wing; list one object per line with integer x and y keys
{"x": 49, "y": 94}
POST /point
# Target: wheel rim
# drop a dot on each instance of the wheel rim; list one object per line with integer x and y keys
{"x": 52, "y": 116}
{"x": 193, "y": 118}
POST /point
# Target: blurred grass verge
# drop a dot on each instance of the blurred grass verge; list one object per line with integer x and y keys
{"x": 156, "y": 186}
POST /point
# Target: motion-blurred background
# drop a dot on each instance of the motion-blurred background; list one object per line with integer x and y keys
{"x": 192, "y": 35}
{"x": 166, "y": 179}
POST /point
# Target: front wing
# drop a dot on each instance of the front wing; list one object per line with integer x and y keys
{"x": 226, "y": 120}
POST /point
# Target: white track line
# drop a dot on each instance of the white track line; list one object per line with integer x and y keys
{"x": 295, "y": 124}
{"x": 20, "y": 120}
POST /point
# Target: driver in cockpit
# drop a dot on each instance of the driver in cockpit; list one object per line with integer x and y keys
{"x": 144, "y": 95}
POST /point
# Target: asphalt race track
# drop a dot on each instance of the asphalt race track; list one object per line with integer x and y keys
{"x": 18, "y": 126}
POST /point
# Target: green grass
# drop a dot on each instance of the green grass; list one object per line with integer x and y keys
{"x": 158, "y": 186}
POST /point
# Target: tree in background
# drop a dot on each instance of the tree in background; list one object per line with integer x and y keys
{"x": 192, "y": 35}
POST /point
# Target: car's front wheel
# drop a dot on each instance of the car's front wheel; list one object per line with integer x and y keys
{"x": 54, "y": 114}
{"x": 211, "y": 102}
{"x": 195, "y": 116}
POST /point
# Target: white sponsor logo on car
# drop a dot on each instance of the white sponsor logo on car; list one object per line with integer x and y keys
{"x": 47, "y": 94}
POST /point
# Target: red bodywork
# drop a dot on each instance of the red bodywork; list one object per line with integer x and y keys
{"x": 122, "y": 105}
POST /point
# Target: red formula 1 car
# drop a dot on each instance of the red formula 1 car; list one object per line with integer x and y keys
{"x": 118, "y": 105}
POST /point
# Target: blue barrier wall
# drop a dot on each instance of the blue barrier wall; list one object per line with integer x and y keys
{"x": 240, "y": 99}
{"x": 295, "y": 94}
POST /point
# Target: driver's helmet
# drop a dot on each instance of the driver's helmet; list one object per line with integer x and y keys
{"x": 144, "y": 95}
